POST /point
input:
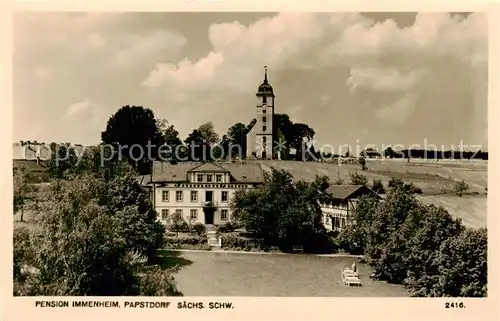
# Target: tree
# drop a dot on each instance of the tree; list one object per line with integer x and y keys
{"x": 460, "y": 187}
{"x": 207, "y": 131}
{"x": 171, "y": 149}
{"x": 130, "y": 131}
{"x": 295, "y": 134}
{"x": 422, "y": 247}
{"x": 462, "y": 262}
{"x": 378, "y": 186}
{"x": 198, "y": 147}
{"x": 358, "y": 179}
{"x": 397, "y": 183}
{"x": 22, "y": 191}
{"x": 237, "y": 137}
{"x": 87, "y": 242}
{"x": 62, "y": 160}
{"x": 178, "y": 224}
{"x": 283, "y": 213}
{"x": 362, "y": 162}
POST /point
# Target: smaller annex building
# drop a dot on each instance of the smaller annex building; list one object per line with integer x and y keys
{"x": 342, "y": 204}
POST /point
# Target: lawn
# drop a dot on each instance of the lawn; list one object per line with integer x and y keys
{"x": 285, "y": 275}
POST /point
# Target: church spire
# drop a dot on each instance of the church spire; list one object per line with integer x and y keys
{"x": 265, "y": 74}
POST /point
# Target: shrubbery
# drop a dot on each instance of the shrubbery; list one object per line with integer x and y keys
{"x": 232, "y": 241}
{"x": 199, "y": 229}
{"x": 358, "y": 179}
{"x": 82, "y": 237}
{"x": 422, "y": 247}
{"x": 227, "y": 227}
{"x": 187, "y": 243}
{"x": 378, "y": 186}
{"x": 283, "y": 213}
{"x": 396, "y": 183}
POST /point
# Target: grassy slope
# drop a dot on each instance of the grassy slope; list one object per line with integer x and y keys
{"x": 434, "y": 179}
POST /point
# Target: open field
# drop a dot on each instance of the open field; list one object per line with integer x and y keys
{"x": 232, "y": 274}
{"x": 432, "y": 177}
{"x": 472, "y": 210}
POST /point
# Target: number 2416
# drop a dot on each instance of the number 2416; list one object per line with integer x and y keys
{"x": 454, "y": 305}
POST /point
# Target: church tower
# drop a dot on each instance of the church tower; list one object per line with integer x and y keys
{"x": 264, "y": 120}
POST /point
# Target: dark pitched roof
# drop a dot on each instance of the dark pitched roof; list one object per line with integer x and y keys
{"x": 245, "y": 172}
{"x": 343, "y": 192}
{"x": 208, "y": 167}
{"x": 240, "y": 172}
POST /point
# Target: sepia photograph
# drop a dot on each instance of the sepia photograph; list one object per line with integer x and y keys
{"x": 249, "y": 154}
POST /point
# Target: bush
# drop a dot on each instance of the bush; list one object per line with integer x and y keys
{"x": 199, "y": 229}
{"x": 396, "y": 183}
{"x": 460, "y": 187}
{"x": 156, "y": 282}
{"x": 378, "y": 186}
{"x": 187, "y": 243}
{"x": 233, "y": 241}
{"x": 358, "y": 179}
{"x": 362, "y": 162}
{"x": 227, "y": 227}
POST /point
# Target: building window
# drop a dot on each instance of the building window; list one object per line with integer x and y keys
{"x": 225, "y": 196}
{"x": 194, "y": 196}
{"x": 264, "y": 111}
{"x": 209, "y": 177}
{"x": 264, "y": 141}
{"x": 194, "y": 215}
{"x": 223, "y": 215}
{"x": 178, "y": 212}
{"x": 264, "y": 119}
{"x": 264, "y": 128}
{"x": 264, "y": 99}
{"x": 178, "y": 196}
{"x": 218, "y": 178}
{"x": 164, "y": 214}
{"x": 199, "y": 177}
{"x": 165, "y": 196}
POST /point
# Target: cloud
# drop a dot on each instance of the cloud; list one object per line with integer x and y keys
{"x": 345, "y": 70}
{"x": 307, "y": 51}
{"x": 84, "y": 111}
{"x": 398, "y": 111}
{"x": 389, "y": 79}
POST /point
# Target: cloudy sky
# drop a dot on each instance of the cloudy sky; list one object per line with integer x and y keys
{"x": 376, "y": 78}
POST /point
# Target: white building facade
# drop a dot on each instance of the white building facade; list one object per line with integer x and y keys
{"x": 200, "y": 192}
{"x": 336, "y": 213}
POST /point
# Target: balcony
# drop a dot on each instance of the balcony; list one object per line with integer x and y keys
{"x": 209, "y": 204}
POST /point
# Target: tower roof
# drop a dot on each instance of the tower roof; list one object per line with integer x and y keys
{"x": 265, "y": 89}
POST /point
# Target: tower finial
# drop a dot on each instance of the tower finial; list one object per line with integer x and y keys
{"x": 265, "y": 74}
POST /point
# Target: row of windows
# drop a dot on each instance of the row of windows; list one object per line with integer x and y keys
{"x": 218, "y": 178}
{"x": 193, "y": 215}
{"x": 214, "y": 185}
{"x": 179, "y": 195}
